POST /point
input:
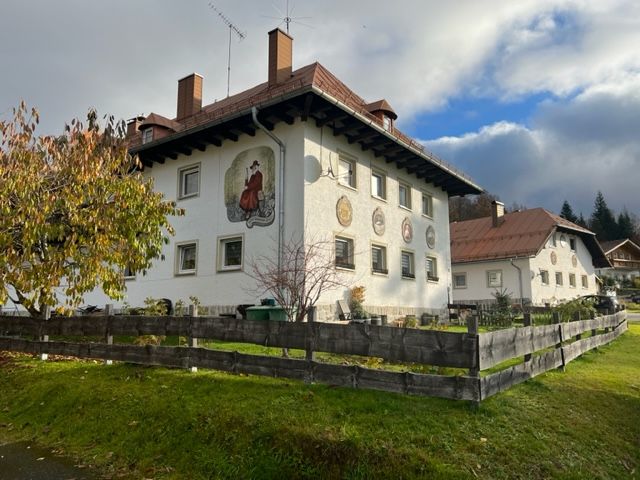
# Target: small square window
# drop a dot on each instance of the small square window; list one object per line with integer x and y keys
{"x": 427, "y": 205}
{"x": 459, "y": 280}
{"x": 494, "y": 278}
{"x": 344, "y": 253}
{"x": 585, "y": 281}
{"x": 230, "y": 253}
{"x": 559, "y": 278}
{"x": 379, "y": 259}
{"x": 404, "y": 195}
{"x": 431, "y": 265}
{"x": 572, "y": 280}
{"x": 347, "y": 171}
{"x": 544, "y": 277}
{"x": 147, "y": 135}
{"x": 378, "y": 185}
{"x": 189, "y": 178}
{"x": 408, "y": 268}
{"x": 572, "y": 244}
{"x": 187, "y": 255}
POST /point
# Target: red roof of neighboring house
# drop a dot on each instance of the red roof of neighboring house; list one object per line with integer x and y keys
{"x": 521, "y": 234}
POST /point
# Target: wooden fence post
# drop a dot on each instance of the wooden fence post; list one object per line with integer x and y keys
{"x": 556, "y": 320}
{"x": 472, "y": 329}
{"x": 46, "y": 315}
{"x": 311, "y": 318}
{"x": 192, "y": 342}
{"x": 527, "y": 323}
{"x": 592, "y": 315}
{"x": 610, "y": 311}
{"x": 108, "y": 311}
{"x": 576, "y": 318}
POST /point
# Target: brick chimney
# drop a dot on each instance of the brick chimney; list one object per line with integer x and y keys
{"x": 133, "y": 124}
{"x": 189, "y": 96}
{"x": 497, "y": 213}
{"x": 280, "y": 57}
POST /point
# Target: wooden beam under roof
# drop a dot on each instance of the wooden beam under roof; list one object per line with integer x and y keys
{"x": 369, "y": 133}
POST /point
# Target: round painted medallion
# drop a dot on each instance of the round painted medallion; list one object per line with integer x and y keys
{"x": 378, "y": 221}
{"x": 574, "y": 261}
{"x": 431, "y": 237}
{"x": 554, "y": 258}
{"x": 344, "y": 212}
{"x": 407, "y": 230}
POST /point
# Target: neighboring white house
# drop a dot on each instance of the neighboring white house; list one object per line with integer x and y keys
{"x": 531, "y": 254}
{"x": 299, "y": 155}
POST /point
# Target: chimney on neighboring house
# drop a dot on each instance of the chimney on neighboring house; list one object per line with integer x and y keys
{"x": 280, "y": 57}
{"x": 133, "y": 124}
{"x": 497, "y": 213}
{"x": 189, "y": 96}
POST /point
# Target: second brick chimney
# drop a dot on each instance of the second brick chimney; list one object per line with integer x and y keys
{"x": 189, "y": 96}
{"x": 497, "y": 213}
{"x": 280, "y": 57}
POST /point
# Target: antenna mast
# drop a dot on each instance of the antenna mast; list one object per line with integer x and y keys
{"x": 232, "y": 29}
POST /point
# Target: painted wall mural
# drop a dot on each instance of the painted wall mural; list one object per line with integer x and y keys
{"x": 249, "y": 187}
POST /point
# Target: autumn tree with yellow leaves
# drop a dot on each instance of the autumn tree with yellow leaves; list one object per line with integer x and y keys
{"x": 75, "y": 211}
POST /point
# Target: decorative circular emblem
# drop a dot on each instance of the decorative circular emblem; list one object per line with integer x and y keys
{"x": 344, "y": 211}
{"x": 574, "y": 261}
{"x": 377, "y": 219}
{"x": 407, "y": 230}
{"x": 554, "y": 258}
{"x": 431, "y": 237}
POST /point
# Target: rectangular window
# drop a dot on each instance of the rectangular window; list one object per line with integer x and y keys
{"x": 544, "y": 277}
{"x": 494, "y": 278}
{"x": 559, "y": 278}
{"x": 147, "y": 135}
{"x": 379, "y": 259}
{"x": 187, "y": 255}
{"x": 344, "y": 253}
{"x": 572, "y": 244}
{"x": 431, "y": 266}
{"x": 408, "y": 269}
{"x": 378, "y": 185}
{"x": 427, "y": 205}
{"x": 387, "y": 122}
{"x": 459, "y": 280}
{"x": 128, "y": 273}
{"x": 554, "y": 242}
{"x": 404, "y": 195}
{"x": 347, "y": 171}
{"x": 585, "y": 281}
{"x": 189, "y": 178}
{"x": 230, "y": 253}
{"x": 572, "y": 280}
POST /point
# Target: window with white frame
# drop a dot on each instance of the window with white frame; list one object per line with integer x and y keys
{"x": 378, "y": 184}
{"x": 186, "y": 258}
{"x": 128, "y": 273}
{"x": 544, "y": 277}
{"x": 230, "y": 253}
{"x": 344, "y": 253}
{"x": 572, "y": 244}
{"x": 408, "y": 265}
{"x": 147, "y": 135}
{"x": 189, "y": 181}
{"x": 427, "y": 205}
{"x": 404, "y": 195}
{"x": 431, "y": 265}
{"x": 379, "y": 259}
{"x": 387, "y": 122}
{"x": 494, "y": 278}
{"x": 460, "y": 280}
{"x": 585, "y": 281}
{"x": 347, "y": 171}
{"x": 572, "y": 280}
{"x": 559, "y": 280}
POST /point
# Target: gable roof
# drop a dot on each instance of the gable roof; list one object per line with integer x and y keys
{"x": 611, "y": 245}
{"x": 521, "y": 234}
{"x": 311, "y": 92}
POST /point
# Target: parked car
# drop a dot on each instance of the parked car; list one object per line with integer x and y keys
{"x": 635, "y": 299}
{"x": 602, "y": 303}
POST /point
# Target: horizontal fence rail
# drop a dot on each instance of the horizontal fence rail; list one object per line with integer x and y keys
{"x": 542, "y": 348}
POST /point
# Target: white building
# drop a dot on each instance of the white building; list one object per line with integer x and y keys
{"x": 531, "y": 254}
{"x": 299, "y": 155}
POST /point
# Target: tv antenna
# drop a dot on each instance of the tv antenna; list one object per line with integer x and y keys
{"x": 287, "y": 17}
{"x": 232, "y": 29}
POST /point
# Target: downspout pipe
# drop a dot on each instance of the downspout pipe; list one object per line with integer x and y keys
{"x": 519, "y": 281}
{"x": 254, "y": 116}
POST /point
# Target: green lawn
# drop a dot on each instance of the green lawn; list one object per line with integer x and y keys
{"x": 137, "y": 422}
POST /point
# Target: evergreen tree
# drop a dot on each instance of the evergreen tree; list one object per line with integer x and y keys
{"x": 602, "y": 221}
{"x": 567, "y": 212}
{"x": 581, "y": 221}
{"x": 626, "y": 228}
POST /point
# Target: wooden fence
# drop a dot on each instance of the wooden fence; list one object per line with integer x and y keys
{"x": 471, "y": 351}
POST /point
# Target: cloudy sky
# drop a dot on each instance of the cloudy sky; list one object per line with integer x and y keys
{"x": 539, "y": 101}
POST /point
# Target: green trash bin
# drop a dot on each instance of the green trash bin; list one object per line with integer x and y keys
{"x": 266, "y": 312}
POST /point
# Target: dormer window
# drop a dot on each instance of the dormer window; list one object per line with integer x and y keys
{"x": 387, "y": 122}
{"x": 147, "y": 135}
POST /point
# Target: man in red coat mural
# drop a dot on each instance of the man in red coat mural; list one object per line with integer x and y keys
{"x": 252, "y": 185}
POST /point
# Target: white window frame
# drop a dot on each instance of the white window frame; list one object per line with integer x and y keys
{"x": 561, "y": 277}
{"x": 180, "y": 249}
{"x": 182, "y": 175}
{"x": 544, "y": 274}
{"x": 572, "y": 244}
{"x": 463, "y": 275}
{"x": 384, "y": 270}
{"x": 387, "y": 122}
{"x": 147, "y": 135}
{"x": 222, "y": 250}
{"x": 412, "y": 264}
{"x": 349, "y": 179}
{"x": 128, "y": 273}
{"x": 406, "y": 186}
{"x": 429, "y": 198}
{"x": 351, "y": 263}
{"x": 585, "y": 281}
{"x": 383, "y": 184}
{"x": 494, "y": 284}
{"x": 572, "y": 280}
{"x": 434, "y": 262}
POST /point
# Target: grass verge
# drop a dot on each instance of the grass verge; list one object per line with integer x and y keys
{"x": 139, "y": 422}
